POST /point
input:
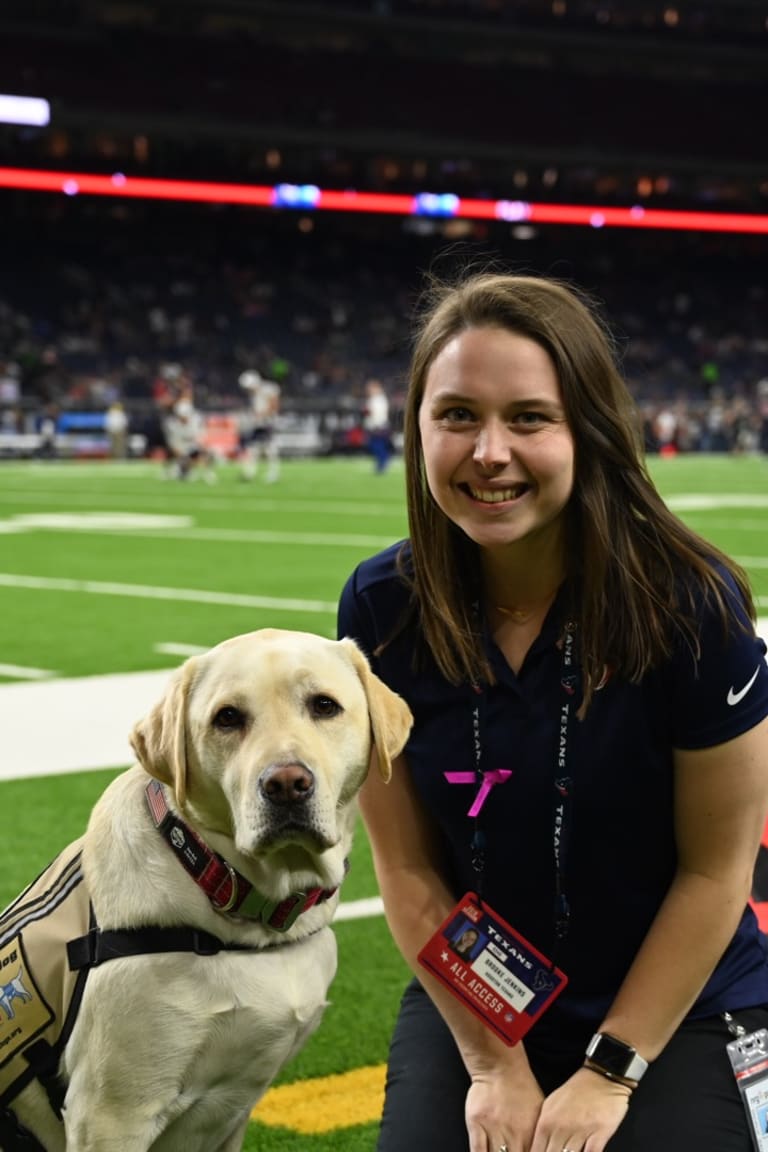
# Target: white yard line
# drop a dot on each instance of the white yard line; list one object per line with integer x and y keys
{"x": 359, "y": 909}
{"x": 57, "y": 726}
{"x": 703, "y": 501}
{"x": 171, "y": 648}
{"x": 151, "y": 592}
{"x": 152, "y": 526}
{"x": 20, "y": 672}
{"x": 244, "y": 536}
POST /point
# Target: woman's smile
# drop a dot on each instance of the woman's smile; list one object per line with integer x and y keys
{"x": 496, "y": 495}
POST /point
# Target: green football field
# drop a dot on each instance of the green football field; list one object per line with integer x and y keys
{"x": 110, "y": 569}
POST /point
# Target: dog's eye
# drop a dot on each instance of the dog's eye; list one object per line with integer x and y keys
{"x": 229, "y": 717}
{"x": 324, "y": 706}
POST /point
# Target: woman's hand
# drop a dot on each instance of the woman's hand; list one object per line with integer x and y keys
{"x": 581, "y": 1115}
{"x": 501, "y": 1110}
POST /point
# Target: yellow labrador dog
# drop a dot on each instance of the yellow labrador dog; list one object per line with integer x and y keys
{"x": 210, "y": 872}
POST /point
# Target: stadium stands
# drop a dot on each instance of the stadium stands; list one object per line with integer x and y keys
{"x": 115, "y": 294}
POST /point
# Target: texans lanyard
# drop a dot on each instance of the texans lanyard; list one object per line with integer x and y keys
{"x": 563, "y": 783}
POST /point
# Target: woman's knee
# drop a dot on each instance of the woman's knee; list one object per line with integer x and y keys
{"x": 426, "y": 1082}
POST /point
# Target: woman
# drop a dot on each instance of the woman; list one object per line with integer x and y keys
{"x": 589, "y": 754}
{"x": 465, "y": 943}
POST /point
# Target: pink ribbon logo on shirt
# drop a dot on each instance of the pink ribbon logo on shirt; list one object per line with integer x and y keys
{"x": 497, "y": 776}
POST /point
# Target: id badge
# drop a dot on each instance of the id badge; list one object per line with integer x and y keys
{"x": 492, "y": 969}
{"x": 749, "y": 1060}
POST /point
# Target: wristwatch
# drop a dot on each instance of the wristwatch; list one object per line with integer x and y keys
{"x": 613, "y": 1057}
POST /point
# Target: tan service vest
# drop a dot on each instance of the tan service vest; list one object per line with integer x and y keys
{"x": 39, "y": 994}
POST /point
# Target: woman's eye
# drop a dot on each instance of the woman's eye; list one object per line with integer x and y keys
{"x": 229, "y": 717}
{"x": 324, "y": 707}
{"x": 456, "y": 415}
{"x": 530, "y": 418}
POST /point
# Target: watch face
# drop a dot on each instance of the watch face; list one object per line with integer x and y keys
{"x": 612, "y": 1055}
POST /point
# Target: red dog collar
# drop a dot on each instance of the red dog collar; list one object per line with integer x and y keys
{"x": 225, "y": 887}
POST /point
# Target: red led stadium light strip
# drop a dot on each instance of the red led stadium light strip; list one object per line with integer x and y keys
{"x": 73, "y": 183}
{"x": 439, "y": 205}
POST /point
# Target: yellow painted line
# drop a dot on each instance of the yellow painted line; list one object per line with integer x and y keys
{"x": 326, "y": 1103}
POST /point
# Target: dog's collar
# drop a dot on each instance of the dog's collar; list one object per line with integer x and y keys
{"x": 227, "y": 890}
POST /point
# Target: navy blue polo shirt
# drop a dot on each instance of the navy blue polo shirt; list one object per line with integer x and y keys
{"x": 618, "y": 846}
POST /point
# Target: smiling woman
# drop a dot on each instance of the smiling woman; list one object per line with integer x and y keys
{"x": 594, "y": 663}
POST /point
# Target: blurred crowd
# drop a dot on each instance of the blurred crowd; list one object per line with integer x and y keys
{"x": 108, "y": 311}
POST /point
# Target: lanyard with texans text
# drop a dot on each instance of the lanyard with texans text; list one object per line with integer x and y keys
{"x": 478, "y": 956}
{"x": 563, "y": 783}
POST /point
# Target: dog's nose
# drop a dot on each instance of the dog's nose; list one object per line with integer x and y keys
{"x": 287, "y": 783}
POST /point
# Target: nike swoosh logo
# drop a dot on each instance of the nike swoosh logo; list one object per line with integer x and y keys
{"x": 735, "y": 697}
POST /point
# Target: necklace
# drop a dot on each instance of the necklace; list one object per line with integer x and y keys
{"x": 519, "y": 615}
{"x": 523, "y": 615}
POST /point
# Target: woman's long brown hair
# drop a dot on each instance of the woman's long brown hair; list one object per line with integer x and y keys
{"x": 632, "y": 566}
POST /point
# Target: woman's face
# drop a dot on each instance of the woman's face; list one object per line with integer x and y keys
{"x": 498, "y": 453}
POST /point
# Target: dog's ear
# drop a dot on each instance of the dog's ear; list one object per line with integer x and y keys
{"x": 391, "y": 718}
{"x": 160, "y": 739}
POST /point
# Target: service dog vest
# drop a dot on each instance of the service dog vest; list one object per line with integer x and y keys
{"x": 39, "y": 992}
{"x": 49, "y": 941}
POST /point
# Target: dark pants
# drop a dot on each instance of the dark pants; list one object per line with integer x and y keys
{"x": 687, "y": 1100}
{"x": 380, "y": 448}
